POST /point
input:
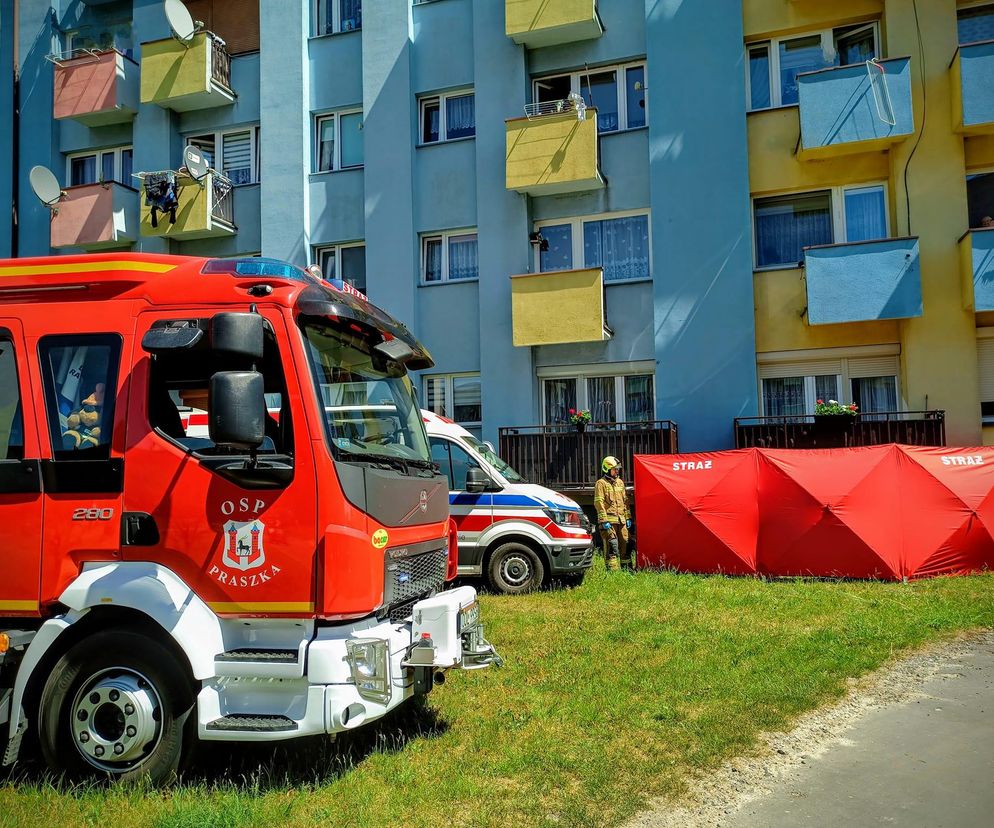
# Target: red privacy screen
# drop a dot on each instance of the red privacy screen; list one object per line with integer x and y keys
{"x": 886, "y": 512}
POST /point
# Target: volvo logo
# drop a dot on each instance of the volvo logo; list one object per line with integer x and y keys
{"x": 423, "y": 502}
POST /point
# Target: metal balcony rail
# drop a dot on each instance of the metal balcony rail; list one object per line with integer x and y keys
{"x": 915, "y": 428}
{"x": 220, "y": 61}
{"x": 573, "y": 103}
{"x": 222, "y": 203}
{"x": 562, "y": 458}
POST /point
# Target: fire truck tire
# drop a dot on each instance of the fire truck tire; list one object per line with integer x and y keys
{"x": 515, "y": 568}
{"x": 117, "y": 706}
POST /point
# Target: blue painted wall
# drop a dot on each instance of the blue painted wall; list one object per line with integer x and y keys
{"x": 7, "y": 181}
{"x": 700, "y": 226}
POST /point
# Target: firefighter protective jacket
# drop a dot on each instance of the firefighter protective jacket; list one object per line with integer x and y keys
{"x": 611, "y": 500}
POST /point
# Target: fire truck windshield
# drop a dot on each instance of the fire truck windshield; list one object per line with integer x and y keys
{"x": 369, "y": 403}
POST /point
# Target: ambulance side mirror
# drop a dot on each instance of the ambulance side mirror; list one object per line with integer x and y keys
{"x": 477, "y": 480}
{"x": 237, "y": 335}
{"x": 237, "y": 406}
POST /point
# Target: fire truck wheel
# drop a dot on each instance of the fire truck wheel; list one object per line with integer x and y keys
{"x": 116, "y": 705}
{"x": 515, "y": 568}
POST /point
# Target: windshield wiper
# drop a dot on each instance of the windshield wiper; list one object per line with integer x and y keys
{"x": 402, "y": 463}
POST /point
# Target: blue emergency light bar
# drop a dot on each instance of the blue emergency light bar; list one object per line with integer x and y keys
{"x": 256, "y": 266}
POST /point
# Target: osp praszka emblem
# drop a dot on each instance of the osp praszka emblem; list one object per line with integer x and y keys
{"x": 243, "y": 545}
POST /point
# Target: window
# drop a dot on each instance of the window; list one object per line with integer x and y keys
{"x": 103, "y": 165}
{"x": 618, "y": 93}
{"x": 334, "y": 16}
{"x": 448, "y": 257}
{"x": 975, "y": 24}
{"x": 791, "y": 389}
{"x": 234, "y": 153}
{"x": 980, "y": 199}
{"x": 456, "y": 396}
{"x": 102, "y": 38}
{"x": 448, "y": 117}
{"x": 786, "y": 224}
{"x": 454, "y": 462}
{"x": 773, "y": 66}
{"x": 617, "y": 243}
{"x": 80, "y": 377}
{"x": 338, "y": 142}
{"x": 614, "y": 396}
{"x": 11, "y": 417}
{"x": 343, "y": 261}
{"x": 985, "y": 363}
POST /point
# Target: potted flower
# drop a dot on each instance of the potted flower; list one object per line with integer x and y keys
{"x": 579, "y": 419}
{"x": 833, "y": 419}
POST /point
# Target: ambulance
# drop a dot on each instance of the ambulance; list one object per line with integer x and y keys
{"x": 181, "y": 564}
{"x": 515, "y": 534}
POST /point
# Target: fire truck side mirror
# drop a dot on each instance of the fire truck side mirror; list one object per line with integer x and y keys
{"x": 237, "y": 406}
{"x": 237, "y": 334}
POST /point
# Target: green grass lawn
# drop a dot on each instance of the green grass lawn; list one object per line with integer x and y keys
{"x": 612, "y": 694}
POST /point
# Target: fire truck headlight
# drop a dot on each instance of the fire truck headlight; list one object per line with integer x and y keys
{"x": 369, "y": 662}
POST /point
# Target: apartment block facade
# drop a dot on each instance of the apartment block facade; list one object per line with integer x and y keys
{"x": 710, "y": 213}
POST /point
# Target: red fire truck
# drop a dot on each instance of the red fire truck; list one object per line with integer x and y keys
{"x": 279, "y": 577}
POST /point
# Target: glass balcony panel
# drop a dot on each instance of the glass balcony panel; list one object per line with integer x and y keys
{"x": 977, "y": 257}
{"x": 973, "y": 88}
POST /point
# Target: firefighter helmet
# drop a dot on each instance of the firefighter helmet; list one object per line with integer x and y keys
{"x": 609, "y": 463}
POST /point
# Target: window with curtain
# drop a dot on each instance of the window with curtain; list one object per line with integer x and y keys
{"x": 463, "y": 260}
{"x": 335, "y": 16}
{"x": 600, "y": 90}
{"x": 106, "y": 165}
{"x": 975, "y": 24}
{"x": 353, "y": 258}
{"x": 127, "y": 166}
{"x": 435, "y": 397}
{"x": 431, "y": 121}
{"x": 866, "y": 213}
{"x": 759, "y": 77}
{"x": 875, "y": 394}
{"x": 449, "y": 257}
{"x": 350, "y": 127}
{"x": 610, "y": 398}
{"x": 635, "y": 92}
{"x": 617, "y": 92}
{"x": 432, "y": 259}
{"x": 619, "y": 245}
{"x": 326, "y": 143}
{"x": 787, "y": 224}
{"x": 783, "y": 397}
{"x": 639, "y": 398}
{"x": 467, "y": 399}
{"x": 560, "y": 397}
{"x": 83, "y": 170}
{"x": 803, "y": 54}
{"x": 351, "y": 15}
{"x": 236, "y": 157}
{"x": 559, "y": 255}
{"x": 460, "y": 116}
{"x": 601, "y": 399}
{"x": 855, "y": 45}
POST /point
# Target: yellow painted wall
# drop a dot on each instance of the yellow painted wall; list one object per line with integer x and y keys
{"x": 766, "y": 18}
{"x": 979, "y": 152}
{"x": 552, "y": 154}
{"x": 939, "y": 351}
{"x": 988, "y": 436}
{"x": 521, "y": 16}
{"x": 559, "y": 307}
{"x": 169, "y": 69}
{"x": 190, "y": 217}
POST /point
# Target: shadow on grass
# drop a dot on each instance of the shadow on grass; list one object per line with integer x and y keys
{"x": 259, "y": 767}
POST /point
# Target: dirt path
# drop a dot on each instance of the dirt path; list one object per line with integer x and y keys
{"x": 884, "y": 748}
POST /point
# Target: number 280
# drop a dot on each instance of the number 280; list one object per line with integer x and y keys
{"x": 93, "y": 514}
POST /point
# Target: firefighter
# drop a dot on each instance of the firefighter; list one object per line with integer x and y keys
{"x": 613, "y": 517}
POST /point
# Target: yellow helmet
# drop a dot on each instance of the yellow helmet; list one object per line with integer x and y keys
{"x": 609, "y": 463}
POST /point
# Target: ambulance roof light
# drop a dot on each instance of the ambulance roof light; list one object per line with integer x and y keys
{"x": 255, "y": 266}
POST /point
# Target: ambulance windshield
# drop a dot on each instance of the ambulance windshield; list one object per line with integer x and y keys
{"x": 368, "y": 399}
{"x": 509, "y": 474}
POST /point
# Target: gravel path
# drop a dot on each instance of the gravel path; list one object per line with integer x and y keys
{"x": 735, "y": 793}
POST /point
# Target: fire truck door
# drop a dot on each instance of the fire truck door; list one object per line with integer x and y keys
{"x": 245, "y": 547}
{"x": 20, "y": 479}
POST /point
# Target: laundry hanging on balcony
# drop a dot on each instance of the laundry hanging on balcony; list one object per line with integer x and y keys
{"x": 161, "y": 194}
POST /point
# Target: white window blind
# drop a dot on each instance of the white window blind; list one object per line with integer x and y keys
{"x": 236, "y": 154}
{"x": 886, "y": 366}
{"x": 985, "y": 359}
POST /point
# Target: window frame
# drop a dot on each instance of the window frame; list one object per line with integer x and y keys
{"x": 581, "y": 373}
{"x": 576, "y": 226}
{"x": 837, "y": 199}
{"x": 772, "y": 45}
{"x": 336, "y": 155}
{"x": 336, "y": 19}
{"x": 98, "y": 154}
{"x": 445, "y": 236}
{"x": 218, "y": 161}
{"x": 318, "y": 250}
{"x": 621, "y": 70}
{"x": 441, "y": 98}
{"x": 450, "y": 401}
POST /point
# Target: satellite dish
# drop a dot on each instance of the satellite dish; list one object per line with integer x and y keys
{"x": 45, "y": 186}
{"x": 180, "y": 20}
{"x": 196, "y": 163}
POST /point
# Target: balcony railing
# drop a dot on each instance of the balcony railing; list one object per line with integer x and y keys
{"x": 914, "y": 428}
{"x": 858, "y": 108}
{"x": 561, "y": 458}
{"x": 538, "y": 23}
{"x": 205, "y": 210}
{"x": 186, "y": 76}
{"x": 95, "y": 87}
{"x": 972, "y": 84}
{"x": 220, "y": 62}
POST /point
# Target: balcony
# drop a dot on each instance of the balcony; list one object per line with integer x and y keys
{"x": 538, "y": 23}
{"x": 855, "y": 108}
{"x": 561, "y": 458}
{"x": 977, "y": 267}
{"x": 558, "y": 307}
{"x": 94, "y": 87}
{"x": 550, "y": 154}
{"x": 973, "y": 88}
{"x": 912, "y": 428}
{"x": 95, "y": 216}
{"x": 185, "y": 77}
{"x": 863, "y": 281}
{"x": 205, "y": 211}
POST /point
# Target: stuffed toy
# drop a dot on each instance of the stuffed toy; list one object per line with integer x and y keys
{"x": 83, "y": 426}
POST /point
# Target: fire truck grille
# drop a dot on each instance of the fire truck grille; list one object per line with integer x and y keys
{"x": 410, "y": 577}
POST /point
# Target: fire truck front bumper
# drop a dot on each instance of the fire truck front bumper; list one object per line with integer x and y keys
{"x": 375, "y": 669}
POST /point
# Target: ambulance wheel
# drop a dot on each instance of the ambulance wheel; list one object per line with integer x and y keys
{"x": 116, "y": 706}
{"x": 515, "y": 568}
